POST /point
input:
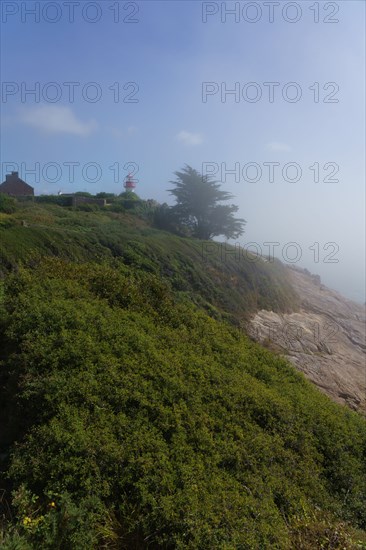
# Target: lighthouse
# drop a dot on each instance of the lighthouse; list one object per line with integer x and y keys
{"x": 129, "y": 184}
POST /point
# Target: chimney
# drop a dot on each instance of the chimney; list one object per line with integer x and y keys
{"x": 12, "y": 176}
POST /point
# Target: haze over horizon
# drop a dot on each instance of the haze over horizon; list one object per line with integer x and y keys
{"x": 273, "y": 110}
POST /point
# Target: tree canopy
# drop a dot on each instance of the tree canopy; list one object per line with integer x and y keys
{"x": 198, "y": 206}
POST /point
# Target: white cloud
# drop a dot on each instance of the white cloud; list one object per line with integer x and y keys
{"x": 54, "y": 119}
{"x": 189, "y": 138}
{"x": 278, "y": 146}
{"x": 123, "y": 133}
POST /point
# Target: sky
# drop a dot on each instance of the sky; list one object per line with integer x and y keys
{"x": 267, "y": 97}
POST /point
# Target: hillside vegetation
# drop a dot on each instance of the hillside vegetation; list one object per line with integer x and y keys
{"x": 228, "y": 283}
{"x": 135, "y": 416}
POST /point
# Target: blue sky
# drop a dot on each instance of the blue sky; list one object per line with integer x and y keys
{"x": 169, "y": 52}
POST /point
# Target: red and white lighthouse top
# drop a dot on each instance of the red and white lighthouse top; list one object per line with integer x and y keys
{"x": 129, "y": 183}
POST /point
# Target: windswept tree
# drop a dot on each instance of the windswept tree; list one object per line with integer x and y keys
{"x": 198, "y": 206}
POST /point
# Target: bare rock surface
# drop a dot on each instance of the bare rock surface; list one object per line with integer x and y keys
{"x": 325, "y": 339}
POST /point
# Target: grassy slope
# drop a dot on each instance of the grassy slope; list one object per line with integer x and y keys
{"x": 225, "y": 284}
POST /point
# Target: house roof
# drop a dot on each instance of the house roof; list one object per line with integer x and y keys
{"x": 13, "y": 185}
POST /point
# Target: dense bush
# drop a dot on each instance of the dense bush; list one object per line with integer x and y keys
{"x": 164, "y": 218}
{"x": 136, "y": 421}
{"x": 8, "y": 205}
{"x": 86, "y": 207}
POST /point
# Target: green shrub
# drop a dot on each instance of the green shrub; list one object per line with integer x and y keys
{"x": 148, "y": 423}
{"x": 8, "y": 205}
{"x": 164, "y": 218}
{"x": 86, "y": 207}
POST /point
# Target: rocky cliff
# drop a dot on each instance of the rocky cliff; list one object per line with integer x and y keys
{"x": 325, "y": 339}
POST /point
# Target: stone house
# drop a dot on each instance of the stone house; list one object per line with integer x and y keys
{"x": 16, "y": 187}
